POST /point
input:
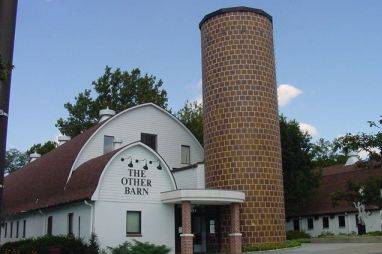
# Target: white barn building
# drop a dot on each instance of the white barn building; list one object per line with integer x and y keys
{"x": 131, "y": 176}
{"x": 320, "y": 216}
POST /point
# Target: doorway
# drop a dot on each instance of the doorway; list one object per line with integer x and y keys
{"x": 205, "y": 226}
{"x": 360, "y": 227}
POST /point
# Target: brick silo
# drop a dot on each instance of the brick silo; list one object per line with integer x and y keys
{"x": 241, "y": 126}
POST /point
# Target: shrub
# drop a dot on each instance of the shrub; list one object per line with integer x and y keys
{"x": 374, "y": 233}
{"x": 140, "y": 248}
{"x": 326, "y": 234}
{"x": 41, "y": 245}
{"x": 292, "y": 235}
{"x": 271, "y": 246}
{"x": 93, "y": 247}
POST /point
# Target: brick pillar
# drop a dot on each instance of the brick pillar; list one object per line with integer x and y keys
{"x": 235, "y": 235}
{"x": 186, "y": 236}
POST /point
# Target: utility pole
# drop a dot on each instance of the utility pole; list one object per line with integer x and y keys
{"x": 8, "y": 11}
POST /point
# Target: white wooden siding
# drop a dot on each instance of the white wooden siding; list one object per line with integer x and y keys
{"x": 373, "y": 223}
{"x": 111, "y": 202}
{"x": 36, "y": 222}
{"x": 148, "y": 118}
{"x": 193, "y": 178}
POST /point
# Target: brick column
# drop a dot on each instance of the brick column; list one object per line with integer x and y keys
{"x": 235, "y": 235}
{"x": 186, "y": 236}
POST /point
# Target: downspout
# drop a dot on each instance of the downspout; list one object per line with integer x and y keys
{"x": 91, "y": 216}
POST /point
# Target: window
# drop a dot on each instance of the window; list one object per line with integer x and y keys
{"x": 24, "y": 227}
{"x": 296, "y": 225}
{"x": 185, "y": 155}
{"x": 325, "y": 222}
{"x": 70, "y": 224}
{"x": 50, "y": 225}
{"x": 341, "y": 221}
{"x": 11, "y": 229}
{"x": 310, "y": 223}
{"x": 149, "y": 140}
{"x": 108, "y": 144}
{"x": 5, "y": 229}
{"x": 133, "y": 223}
{"x": 17, "y": 229}
{"x": 79, "y": 226}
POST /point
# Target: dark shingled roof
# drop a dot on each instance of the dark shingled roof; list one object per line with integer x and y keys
{"x": 335, "y": 178}
{"x": 43, "y": 183}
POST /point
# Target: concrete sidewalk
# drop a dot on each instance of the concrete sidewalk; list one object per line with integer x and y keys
{"x": 328, "y": 248}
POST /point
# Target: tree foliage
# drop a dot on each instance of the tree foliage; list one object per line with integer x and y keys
{"x": 14, "y": 159}
{"x": 325, "y": 154}
{"x": 42, "y": 148}
{"x": 371, "y": 195}
{"x": 300, "y": 177}
{"x": 191, "y": 115}
{"x": 117, "y": 90}
{"x": 371, "y": 143}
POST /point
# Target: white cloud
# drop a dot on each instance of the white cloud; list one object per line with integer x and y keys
{"x": 195, "y": 91}
{"x": 307, "y": 128}
{"x": 285, "y": 93}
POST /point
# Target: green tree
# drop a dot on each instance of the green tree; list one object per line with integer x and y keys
{"x": 117, "y": 90}
{"x": 325, "y": 154}
{"x": 14, "y": 160}
{"x": 371, "y": 195}
{"x": 191, "y": 115}
{"x": 300, "y": 177}
{"x": 371, "y": 143}
{"x": 42, "y": 148}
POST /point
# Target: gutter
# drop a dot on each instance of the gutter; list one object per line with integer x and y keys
{"x": 91, "y": 216}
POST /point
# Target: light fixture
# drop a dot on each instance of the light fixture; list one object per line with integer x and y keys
{"x": 159, "y": 167}
{"x": 130, "y": 163}
{"x": 145, "y": 167}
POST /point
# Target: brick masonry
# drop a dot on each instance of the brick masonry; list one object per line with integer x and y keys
{"x": 235, "y": 237}
{"x": 241, "y": 127}
{"x": 186, "y": 236}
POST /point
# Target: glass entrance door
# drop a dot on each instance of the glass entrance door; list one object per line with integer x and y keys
{"x": 199, "y": 230}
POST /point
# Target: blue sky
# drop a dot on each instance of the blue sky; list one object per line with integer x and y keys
{"x": 328, "y": 56}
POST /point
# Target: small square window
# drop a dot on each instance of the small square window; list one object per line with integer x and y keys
{"x": 341, "y": 221}
{"x": 108, "y": 143}
{"x": 133, "y": 223}
{"x": 150, "y": 140}
{"x": 185, "y": 155}
{"x": 310, "y": 223}
{"x": 296, "y": 225}
{"x": 325, "y": 222}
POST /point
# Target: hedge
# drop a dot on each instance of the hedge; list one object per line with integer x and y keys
{"x": 41, "y": 245}
{"x": 271, "y": 246}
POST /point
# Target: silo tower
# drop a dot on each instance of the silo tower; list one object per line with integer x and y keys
{"x": 241, "y": 126}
